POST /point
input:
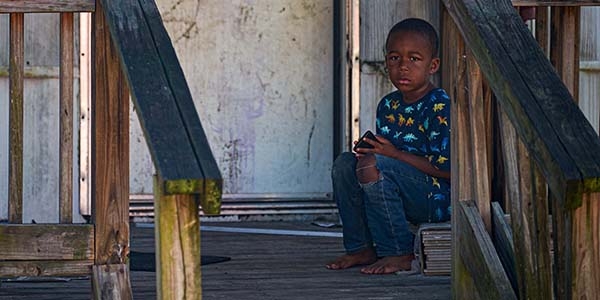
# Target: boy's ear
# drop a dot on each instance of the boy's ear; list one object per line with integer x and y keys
{"x": 435, "y": 65}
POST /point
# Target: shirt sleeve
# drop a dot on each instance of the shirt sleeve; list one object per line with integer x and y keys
{"x": 439, "y": 131}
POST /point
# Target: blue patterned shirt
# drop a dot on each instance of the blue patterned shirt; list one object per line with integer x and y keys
{"x": 421, "y": 128}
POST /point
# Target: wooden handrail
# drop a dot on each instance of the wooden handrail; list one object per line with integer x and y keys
{"x": 537, "y": 102}
{"x": 175, "y": 137}
{"x": 546, "y": 140}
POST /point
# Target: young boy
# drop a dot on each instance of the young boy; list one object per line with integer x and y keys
{"x": 405, "y": 177}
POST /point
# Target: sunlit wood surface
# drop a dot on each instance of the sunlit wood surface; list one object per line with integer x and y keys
{"x": 262, "y": 266}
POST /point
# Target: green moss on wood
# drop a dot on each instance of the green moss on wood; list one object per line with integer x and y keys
{"x": 183, "y": 186}
{"x": 210, "y": 201}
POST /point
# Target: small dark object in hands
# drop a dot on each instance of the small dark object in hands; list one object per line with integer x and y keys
{"x": 362, "y": 143}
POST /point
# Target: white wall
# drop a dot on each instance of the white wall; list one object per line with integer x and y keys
{"x": 261, "y": 75}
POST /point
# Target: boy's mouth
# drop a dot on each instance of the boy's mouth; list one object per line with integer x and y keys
{"x": 404, "y": 81}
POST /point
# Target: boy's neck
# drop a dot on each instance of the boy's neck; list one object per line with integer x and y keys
{"x": 417, "y": 95}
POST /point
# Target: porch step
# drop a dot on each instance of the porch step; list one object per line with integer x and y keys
{"x": 435, "y": 248}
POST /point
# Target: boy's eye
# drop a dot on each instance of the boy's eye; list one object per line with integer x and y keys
{"x": 414, "y": 58}
{"x": 394, "y": 58}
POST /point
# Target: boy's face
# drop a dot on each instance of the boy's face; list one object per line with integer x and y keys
{"x": 410, "y": 63}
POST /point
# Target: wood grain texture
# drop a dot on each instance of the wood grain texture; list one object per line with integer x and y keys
{"x": 586, "y": 246}
{"x": 529, "y": 218}
{"x": 453, "y": 68}
{"x": 66, "y": 119}
{"x": 564, "y": 46}
{"x": 29, "y": 6}
{"x": 47, "y": 242}
{"x": 556, "y": 132}
{"x": 177, "y": 231}
{"x": 37, "y": 268}
{"x": 111, "y": 282}
{"x": 110, "y": 148}
{"x": 479, "y": 256}
{"x": 169, "y": 120}
{"x": 542, "y": 29}
{"x": 262, "y": 266}
{"x": 503, "y": 241}
{"x": 477, "y": 107}
{"x": 556, "y": 2}
{"x": 213, "y": 182}
{"x": 16, "y": 67}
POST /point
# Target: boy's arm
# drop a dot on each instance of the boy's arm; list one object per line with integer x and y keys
{"x": 384, "y": 147}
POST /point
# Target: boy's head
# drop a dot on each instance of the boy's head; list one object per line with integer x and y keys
{"x": 411, "y": 57}
{"x": 419, "y": 26}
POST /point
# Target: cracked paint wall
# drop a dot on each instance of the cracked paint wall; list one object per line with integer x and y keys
{"x": 261, "y": 75}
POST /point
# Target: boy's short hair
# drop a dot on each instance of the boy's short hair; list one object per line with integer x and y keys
{"x": 419, "y": 26}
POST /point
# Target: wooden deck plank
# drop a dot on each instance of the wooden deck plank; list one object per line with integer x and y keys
{"x": 261, "y": 267}
{"x": 48, "y": 242}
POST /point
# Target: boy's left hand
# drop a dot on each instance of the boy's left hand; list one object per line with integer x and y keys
{"x": 381, "y": 146}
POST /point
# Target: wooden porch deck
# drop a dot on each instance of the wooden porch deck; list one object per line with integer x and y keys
{"x": 262, "y": 266}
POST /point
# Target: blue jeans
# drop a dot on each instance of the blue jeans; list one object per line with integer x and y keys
{"x": 377, "y": 214}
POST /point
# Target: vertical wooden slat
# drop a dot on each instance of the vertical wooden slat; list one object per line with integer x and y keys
{"x": 110, "y": 150}
{"x": 479, "y": 141}
{"x": 542, "y": 28}
{"x": 564, "y": 46}
{"x": 15, "y": 203}
{"x": 529, "y": 217}
{"x": 177, "y": 232}
{"x": 586, "y": 246}
{"x": 66, "y": 119}
{"x": 453, "y": 81}
{"x": 118, "y": 274}
{"x": 354, "y": 53}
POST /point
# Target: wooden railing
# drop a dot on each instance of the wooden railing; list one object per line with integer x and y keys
{"x": 131, "y": 51}
{"x": 534, "y": 152}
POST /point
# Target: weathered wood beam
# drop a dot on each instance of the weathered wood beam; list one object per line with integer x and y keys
{"x": 210, "y": 199}
{"x": 16, "y": 68}
{"x": 479, "y": 140}
{"x": 175, "y": 137}
{"x": 47, "y": 242}
{"x": 586, "y": 243}
{"x": 453, "y": 81}
{"x": 177, "y": 232}
{"x": 529, "y": 217}
{"x": 118, "y": 277}
{"x": 556, "y": 3}
{"x": 564, "y": 46}
{"x": 556, "y": 132}
{"x": 110, "y": 148}
{"x": 477, "y": 253}
{"x": 66, "y": 119}
{"x": 48, "y": 6}
{"x": 110, "y": 160}
{"x": 46, "y": 268}
{"x": 503, "y": 241}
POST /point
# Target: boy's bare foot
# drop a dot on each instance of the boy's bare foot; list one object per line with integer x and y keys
{"x": 389, "y": 265}
{"x": 345, "y": 261}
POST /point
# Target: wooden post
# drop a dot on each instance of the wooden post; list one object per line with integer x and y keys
{"x": 177, "y": 232}
{"x": 110, "y": 160}
{"x": 15, "y": 183}
{"x": 529, "y": 217}
{"x": 453, "y": 81}
{"x": 66, "y": 119}
{"x": 477, "y": 107}
{"x": 564, "y": 45}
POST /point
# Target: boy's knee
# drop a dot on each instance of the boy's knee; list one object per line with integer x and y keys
{"x": 343, "y": 165}
{"x": 366, "y": 169}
